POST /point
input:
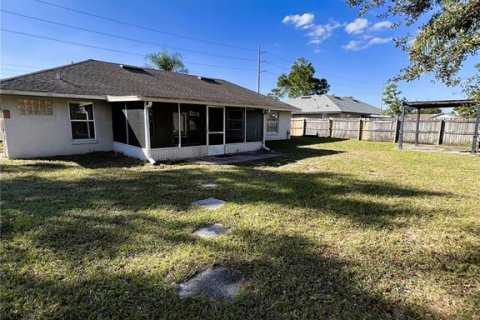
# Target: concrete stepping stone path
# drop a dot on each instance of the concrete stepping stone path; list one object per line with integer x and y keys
{"x": 209, "y": 203}
{"x": 209, "y": 186}
{"x": 211, "y": 231}
{"x": 218, "y": 284}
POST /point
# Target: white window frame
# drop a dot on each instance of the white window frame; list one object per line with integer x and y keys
{"x": 278, "y": 122}
{"x": 79, "y": 140}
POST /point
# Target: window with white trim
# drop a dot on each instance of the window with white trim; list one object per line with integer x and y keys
{"x": 272, "y": 122}
{"x": 82, "y": 120}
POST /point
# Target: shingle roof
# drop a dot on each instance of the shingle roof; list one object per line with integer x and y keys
{"x": 98, "y": 78}
{"x": 331, "y": 104}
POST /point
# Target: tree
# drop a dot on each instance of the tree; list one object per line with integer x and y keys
{"x": 167, "y": 62}
{"x": 391, "y": 98}
{"x": 471, "y": 88}
{"x": 449, "y": 35}
{"x": 466, "y": 111}
{"x": 431, "y": 111}
{"x": 275, "y": 93}
{"x": 300, "y": 81}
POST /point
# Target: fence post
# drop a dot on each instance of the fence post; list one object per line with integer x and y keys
{"x": 441, "y": 132}
{"x": 304, "y": 127}
{"x": 330, "y": 127}
{"x": 395, "y": 132}
{"x": 360, "y": 127}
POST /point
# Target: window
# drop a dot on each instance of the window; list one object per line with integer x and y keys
{"x": 82, "y": 120}
{"x": 272, "y": 122}
{"x": 35, "y": 107}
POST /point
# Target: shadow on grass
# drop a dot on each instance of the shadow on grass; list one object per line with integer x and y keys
{"x": 295, "y": 142}
{"x": 175, "y": 189}
{"x": 97, "y": 217}
{"x": 288, "y": 277}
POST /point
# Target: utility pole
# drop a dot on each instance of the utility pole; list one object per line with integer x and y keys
{"x": 381, "y": 97}
{"x": 259, "y": 62}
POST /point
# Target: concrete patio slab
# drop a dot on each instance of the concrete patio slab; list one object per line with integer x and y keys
{"x": 209, "y": 203}
{"x": 238, "y": 158}
{"x": 211, "y": 231}
{"x": 218, "y": 284}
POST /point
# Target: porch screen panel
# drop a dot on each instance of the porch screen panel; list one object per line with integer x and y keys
{"x": 254, "y": 125}
{"x": 136, "y": 123}
{"x": 119, "y": 122}
{"x": 234, "y": 119}
{"x": 162, "y": 129}
{"x": 194, "y": 125}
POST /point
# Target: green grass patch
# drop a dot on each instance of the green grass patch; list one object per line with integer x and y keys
{"x": 333, "y": 229}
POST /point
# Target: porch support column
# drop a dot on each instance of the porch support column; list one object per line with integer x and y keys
{"x": 147, "y": 106}
{"x": 475, "y": 133}
{"x": 402, "y": 125}
{"x": 245, "y": 125}
{"x": 417, "y": 126}
{"x": 208, "y": 136}
{"x": 179, "y": 127}
{"x": 224, "y": 126}
{"x": 264, "y": 131}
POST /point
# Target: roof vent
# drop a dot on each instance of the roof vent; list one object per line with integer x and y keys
{"x": 133, "y": 69}
{"x": 124, "y": 66}
{"x": 209, "y": 80}
{"x": 306, "y": 97}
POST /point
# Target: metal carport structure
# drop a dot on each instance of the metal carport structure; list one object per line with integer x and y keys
{"x": 419, "y": 105}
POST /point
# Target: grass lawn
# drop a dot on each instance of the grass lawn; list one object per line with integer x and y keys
{"x": 333, "y": 230}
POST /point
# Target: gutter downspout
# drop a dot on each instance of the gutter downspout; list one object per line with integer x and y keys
{"x": 265, "y": 129}
{"x": 148, "y": 105}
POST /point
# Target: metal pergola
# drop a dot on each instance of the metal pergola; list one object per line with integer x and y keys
{"x": 419, "y": 105}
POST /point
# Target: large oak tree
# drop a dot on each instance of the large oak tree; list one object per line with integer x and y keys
{"x": 301, "y": 81}
{"x": 450, "y": 34}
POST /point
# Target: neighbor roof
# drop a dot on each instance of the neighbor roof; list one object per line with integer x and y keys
{"x": 102, "y": 79}
{"x": 331, "y": 104}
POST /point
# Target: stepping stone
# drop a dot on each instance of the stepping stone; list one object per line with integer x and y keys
{"x": 217, "y": 284}
{"x": 209, "y": 203}
{"x": 209, "y": 186}
{"x": 211, "y": 231}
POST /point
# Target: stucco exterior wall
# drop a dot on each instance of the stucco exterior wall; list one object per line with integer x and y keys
{"x": 30, "y": 136}
{"x": 284, "y": 118}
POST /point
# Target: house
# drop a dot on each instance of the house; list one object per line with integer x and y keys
{"x": 329, "y": 106}
{"x": 445, "y": 116}
{"x": 143, "y": 113}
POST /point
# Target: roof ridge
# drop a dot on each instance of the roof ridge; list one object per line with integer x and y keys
{"x": 156, "y": 70}
{"x": 46, "y": 70}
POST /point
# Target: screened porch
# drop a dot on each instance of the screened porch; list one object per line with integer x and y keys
{"x": 169, "y": 131}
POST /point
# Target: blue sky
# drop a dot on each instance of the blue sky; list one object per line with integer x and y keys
{"x": 355, "y": 56}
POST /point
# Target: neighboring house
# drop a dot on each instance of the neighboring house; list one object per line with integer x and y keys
{"x": 429, "y": 116}
{"x": 445, "y": 116}
{"x": 329, "y": 106}
{"x": 143, "y": 113}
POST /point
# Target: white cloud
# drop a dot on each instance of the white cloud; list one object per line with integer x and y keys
{"x": 357, "y": 45}
{"x": 382, "y": 25}
{"x": 317, "y": 32}
{"x": 300, "y": 21}
{"x": 322, "y": 32}
{"x": 353, "y": 45}
{"x": 378, "y": 40}
{"x": 357, "y": 26}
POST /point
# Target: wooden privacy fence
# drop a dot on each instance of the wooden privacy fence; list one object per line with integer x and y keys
{"x": 451, "y": 132}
